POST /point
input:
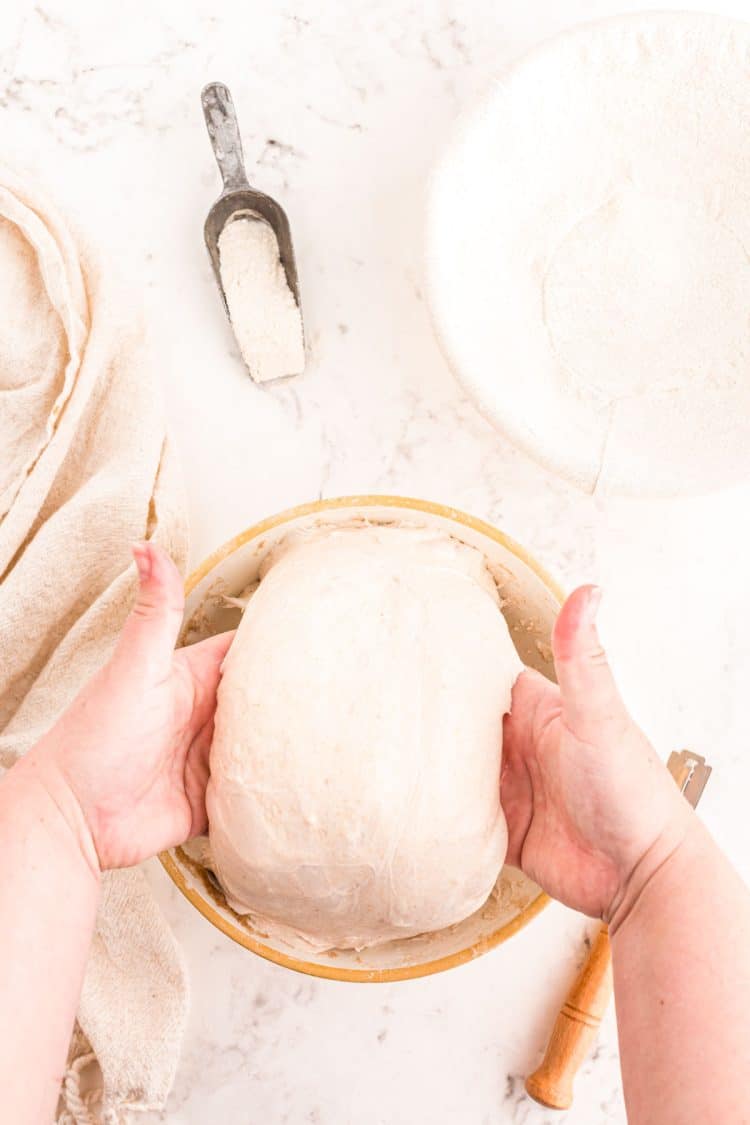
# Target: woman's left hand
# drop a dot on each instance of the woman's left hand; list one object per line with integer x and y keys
{"x": 133, "y": 747}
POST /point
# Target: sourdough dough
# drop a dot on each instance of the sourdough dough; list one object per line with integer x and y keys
{"x": 354, "y": 793}
{"x": 594, "y": 290}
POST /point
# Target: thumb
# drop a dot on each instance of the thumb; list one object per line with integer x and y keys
{"x": 589, "y": 694}
{"x": 150, "y": 632}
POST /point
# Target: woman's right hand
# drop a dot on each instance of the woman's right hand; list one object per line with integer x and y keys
{"x": 592, "y": 812}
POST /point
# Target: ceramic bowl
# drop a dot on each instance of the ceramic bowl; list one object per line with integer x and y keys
{"x": 531, "y": 600}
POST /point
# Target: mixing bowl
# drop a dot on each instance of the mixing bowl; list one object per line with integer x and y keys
{"x": 530, "y": 603}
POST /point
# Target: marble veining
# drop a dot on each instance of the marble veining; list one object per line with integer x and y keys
{"x": 343, "y": 110}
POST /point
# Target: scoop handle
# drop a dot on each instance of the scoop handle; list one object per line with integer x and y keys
{"x": 575, "y": 1029}
{"x": 221, "y": 122}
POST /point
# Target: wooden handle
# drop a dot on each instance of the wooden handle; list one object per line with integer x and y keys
{"x": 575, "y": 1029}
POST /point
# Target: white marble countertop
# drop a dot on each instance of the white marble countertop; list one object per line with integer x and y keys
{"x": 343, "y": 108}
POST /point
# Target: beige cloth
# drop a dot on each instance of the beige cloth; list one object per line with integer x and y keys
{"x": 85, "y": 469}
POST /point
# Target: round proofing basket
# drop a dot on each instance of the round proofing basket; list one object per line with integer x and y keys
{"x": 530, "y": 603}
{"x": 586, "y": 253}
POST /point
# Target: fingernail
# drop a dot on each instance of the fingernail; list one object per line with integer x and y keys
{"x": 595, "y": 599}
{"x": 142, "y": 556}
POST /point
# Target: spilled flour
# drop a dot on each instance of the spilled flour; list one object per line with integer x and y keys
{"x": 595, "y": 294}
{"x": 264, "y": 314}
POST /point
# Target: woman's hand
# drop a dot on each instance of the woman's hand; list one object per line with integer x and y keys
{"x": 591, "y": 810}
{"x": 133, "y": 747}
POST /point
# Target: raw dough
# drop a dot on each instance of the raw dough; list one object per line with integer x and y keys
{"x": 588, "y": 263}
{"x": 354, "y": 793}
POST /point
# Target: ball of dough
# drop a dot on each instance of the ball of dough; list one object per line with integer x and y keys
{"x": 354, "y": 793}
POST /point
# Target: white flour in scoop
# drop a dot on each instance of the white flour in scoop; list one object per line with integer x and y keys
{"x": 264, "y": 314}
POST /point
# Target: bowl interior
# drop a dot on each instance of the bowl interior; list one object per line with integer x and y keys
{"x": 530, "y": 603}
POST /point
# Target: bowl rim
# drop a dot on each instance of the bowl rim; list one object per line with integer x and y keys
{"x": 267, "y": 952}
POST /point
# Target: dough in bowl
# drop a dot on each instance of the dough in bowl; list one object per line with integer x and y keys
{"x": 354, "y": 794}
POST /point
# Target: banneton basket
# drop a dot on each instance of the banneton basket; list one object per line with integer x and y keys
{"x": 531, "y": 601}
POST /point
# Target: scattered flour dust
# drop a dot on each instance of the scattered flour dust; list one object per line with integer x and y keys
{"x": 595, "y": 294}
{"x": 264, "y": 314}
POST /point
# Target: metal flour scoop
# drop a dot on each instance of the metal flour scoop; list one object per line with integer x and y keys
{"x": 238, "y": 200}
